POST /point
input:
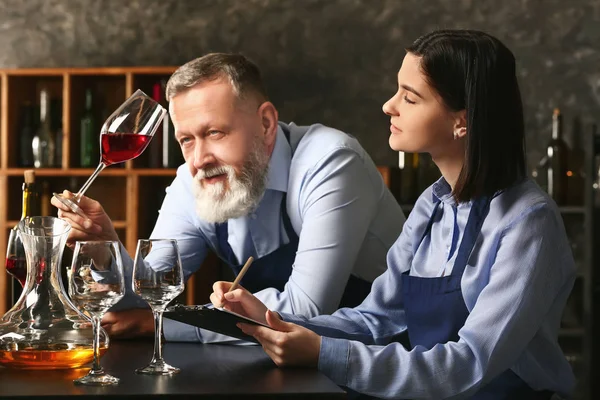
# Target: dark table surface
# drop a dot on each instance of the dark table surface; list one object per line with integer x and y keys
{"x": 207, "y": 371}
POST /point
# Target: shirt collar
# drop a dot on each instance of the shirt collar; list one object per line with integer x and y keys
{"x": 441, "y": 191}
{"x": 279, "y": 164}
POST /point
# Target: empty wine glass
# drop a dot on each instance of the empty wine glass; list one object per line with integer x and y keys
{"x": 96, "y": 283}
{"x": 124, "y": 136}
{"x": 158, "y": 279}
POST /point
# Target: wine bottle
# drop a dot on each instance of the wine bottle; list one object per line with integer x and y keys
{"x": 156, "y": 146}
{"x": 576, "y": 166}
{"x": 26, "y": 133}
{"x": 89, "y": 151}
{"x": 172, "y": 156}
{"x": 56, "y": 128}
{"x": 557, "y": 161}
{"x": 43, "y": 144}
{"x": 16, "y": 264}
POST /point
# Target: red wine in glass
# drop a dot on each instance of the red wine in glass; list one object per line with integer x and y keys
{"x": 124, "y": 136}
{"x": 121, "y": 147}
{"x": 17, "y": 267}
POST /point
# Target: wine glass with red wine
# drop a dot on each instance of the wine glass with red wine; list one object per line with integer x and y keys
{"x": 16, "y": 265}
{"x": 124, "y": 136}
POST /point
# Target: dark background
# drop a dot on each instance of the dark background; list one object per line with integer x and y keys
{"x": 328, "y": 61}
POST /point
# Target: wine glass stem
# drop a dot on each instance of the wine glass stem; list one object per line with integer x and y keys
{"x": 88, "y": 183}
{"x": 158, "y": 317}
{"x": 96, "y": 332}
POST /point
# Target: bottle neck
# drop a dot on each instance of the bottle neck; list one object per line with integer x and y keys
{"x": 29, "y": 200}
{"x": 43, "y": 106}
{"x": 556, "y": 127}
{"x": 88, "y": 100}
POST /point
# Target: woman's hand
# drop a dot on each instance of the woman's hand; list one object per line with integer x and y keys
{"x": 97, "y": 226}
{"x": 287, "y": 344}
{"x": 239, "y": 301}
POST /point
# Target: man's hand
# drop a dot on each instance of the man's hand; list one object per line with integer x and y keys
{"x": 287, "y": 344}
{"x": 138, "y": 322}
{"x": 97, "y": 226}
{"x": 239, "y": 301}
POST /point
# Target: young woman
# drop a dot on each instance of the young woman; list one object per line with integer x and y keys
{"x": 479, "y": 277}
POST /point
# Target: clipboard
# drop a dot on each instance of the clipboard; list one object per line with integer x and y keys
{"x": 213, "y": 319}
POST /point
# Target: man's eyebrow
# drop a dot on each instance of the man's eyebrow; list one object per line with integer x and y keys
{"x": 410, "y": 89}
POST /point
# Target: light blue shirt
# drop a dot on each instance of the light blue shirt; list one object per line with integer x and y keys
{"x": 337, "y": 202}
{"x": 515, "y": 286}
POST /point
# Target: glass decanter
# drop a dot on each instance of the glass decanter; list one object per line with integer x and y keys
{"x": 44, "y": 330}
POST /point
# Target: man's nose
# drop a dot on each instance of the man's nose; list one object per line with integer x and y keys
{"x": 202, "y": 156}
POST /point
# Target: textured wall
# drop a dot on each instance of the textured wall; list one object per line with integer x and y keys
{"x": 332, "y": 61}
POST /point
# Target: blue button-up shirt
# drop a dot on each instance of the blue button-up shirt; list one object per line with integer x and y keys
{"x": 337, "y": 202}
{"x": 515, "y": 286}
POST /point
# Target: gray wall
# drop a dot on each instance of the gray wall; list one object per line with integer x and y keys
{"x": 331, "y": 61}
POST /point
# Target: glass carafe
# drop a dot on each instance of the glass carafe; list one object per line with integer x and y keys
{"x": 44, "y": 330}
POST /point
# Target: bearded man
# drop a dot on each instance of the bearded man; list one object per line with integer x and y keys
{"x": 306, "y": 202}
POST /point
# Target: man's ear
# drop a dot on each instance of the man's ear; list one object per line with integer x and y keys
{"x": 460, "y": 124}
{"x": 268, "y": 119}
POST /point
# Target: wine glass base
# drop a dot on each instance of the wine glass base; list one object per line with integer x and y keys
{"x": 158, "y": 368}
{"x": 97, "y": 380}
{"x": 71, "y": 204}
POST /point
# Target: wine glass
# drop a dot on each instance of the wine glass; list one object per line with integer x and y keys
{"x": 96, "y": 283}
{"x": 158, "y": 279}
{"x": 124, "y": 136}
{"x": 16, "y": 264}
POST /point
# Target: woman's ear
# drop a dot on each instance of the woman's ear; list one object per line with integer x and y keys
{"x": 460, "y": 124}
{"x": 268, "y": 119}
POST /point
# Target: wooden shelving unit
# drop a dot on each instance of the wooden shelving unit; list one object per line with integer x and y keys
{"x": 123, "y": 191}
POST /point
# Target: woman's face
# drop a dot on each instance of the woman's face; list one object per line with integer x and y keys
{"x": 419, "y": 120}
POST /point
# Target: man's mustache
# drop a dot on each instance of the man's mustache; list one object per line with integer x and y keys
{"x": 211, "y": 172}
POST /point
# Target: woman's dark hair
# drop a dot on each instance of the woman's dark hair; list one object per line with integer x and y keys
{"x": 474, "y": 71}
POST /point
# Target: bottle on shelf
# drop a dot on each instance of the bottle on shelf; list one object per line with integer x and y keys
{"x": 90, "y": 134}
{"x": 155, "y": 158}
{"x": 596, "y": 165}
{"x": 172, "y": 156}
{"x": 164, "y": 152}
{"x": 43, "y": 144}
{"x": 556, "y": 151}
{"x": 56, "y": 127}
{"x": 16, "y": 265}
{"x": 26, "y": 133}
{"x": 576, "y": 167}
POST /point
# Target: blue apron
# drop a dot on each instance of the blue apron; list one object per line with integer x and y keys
{"x": 435, "y": 310}
{"x": 274, "y": 269}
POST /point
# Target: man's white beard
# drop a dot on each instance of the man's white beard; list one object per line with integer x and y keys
{"x": 216, "y": 204}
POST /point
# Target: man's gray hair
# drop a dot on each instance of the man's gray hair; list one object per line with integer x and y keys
{"x": 243, "y": 75}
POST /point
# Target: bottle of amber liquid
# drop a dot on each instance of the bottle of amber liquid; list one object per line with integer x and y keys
{"x": 557, "y": 161}
{"x": 16, "y": 265}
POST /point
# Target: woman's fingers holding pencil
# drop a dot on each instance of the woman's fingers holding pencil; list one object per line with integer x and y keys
{"x": 239, "y": 300}
{"x": 219, "y": 289}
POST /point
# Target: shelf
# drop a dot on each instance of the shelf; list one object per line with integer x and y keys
{"x": 155, "y": 171}
{"x": 89, "y": 71}
{"x": 117, "y": 224}
{"x": 89, "y": 171}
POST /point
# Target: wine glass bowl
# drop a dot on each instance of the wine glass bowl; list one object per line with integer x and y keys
{"x": 124, "y": 135}
{"x": 158, "y": 279}
{"x": 16, "y": 263}
{"x": 96, "y": 283}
